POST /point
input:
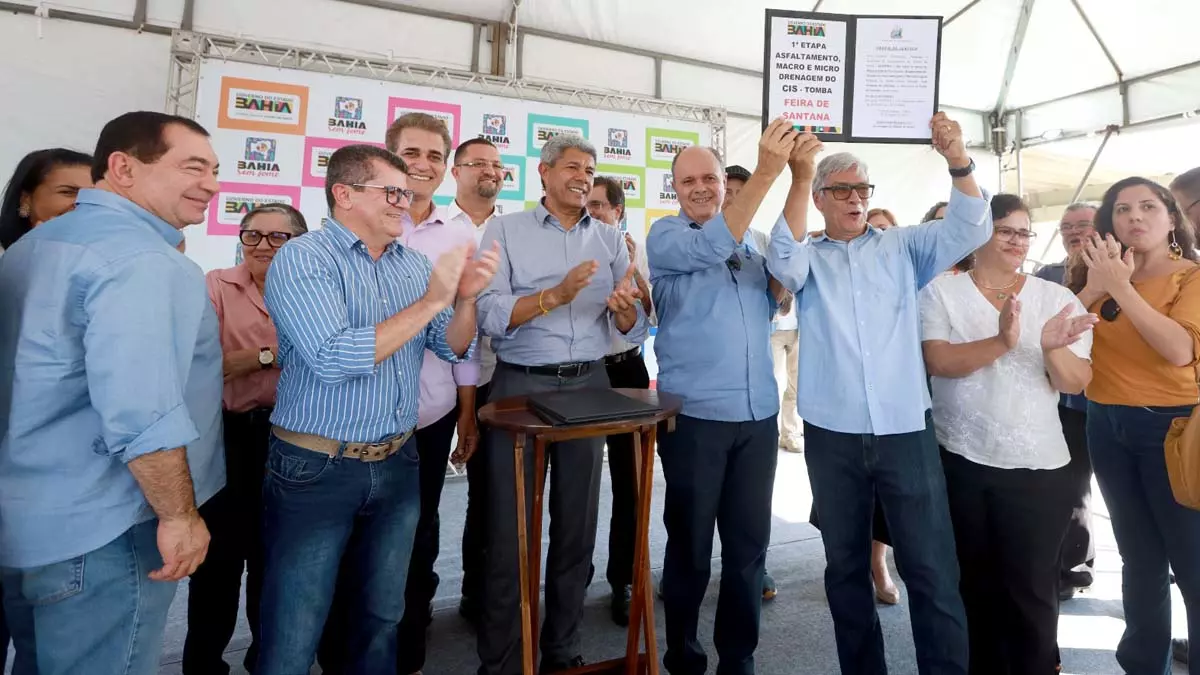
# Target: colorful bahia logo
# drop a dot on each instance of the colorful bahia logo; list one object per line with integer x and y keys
{"x": 258, "y": 161}
{"x": 806, "y": 29}
{"x": 668, "y": 190}
{"x": 348, "y": 116}
{"x": 618, "y": 145}
{"x": 495, "y": 130}
{"x": 250, "y": 105}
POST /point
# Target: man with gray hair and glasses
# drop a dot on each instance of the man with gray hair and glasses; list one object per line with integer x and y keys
{"x": 563, "y": 285}
{"x": 864, "y": 401}
{"x": 1078, "y": 552}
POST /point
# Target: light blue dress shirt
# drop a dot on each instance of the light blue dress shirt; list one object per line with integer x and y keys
{"x": 109, "y": 350}
{"x": 861, "y": 367}
{"x": 535, "y": 254}
{"x": 713, "y": 344}
{"x": 326, "y": 294}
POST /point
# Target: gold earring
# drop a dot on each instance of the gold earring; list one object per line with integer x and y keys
{"x": 1174, "y": 250}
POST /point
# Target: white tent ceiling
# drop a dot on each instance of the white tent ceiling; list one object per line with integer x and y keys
{"x": 1059, "y": 55}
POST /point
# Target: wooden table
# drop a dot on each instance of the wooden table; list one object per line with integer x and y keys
{"x": 513, "y": 415}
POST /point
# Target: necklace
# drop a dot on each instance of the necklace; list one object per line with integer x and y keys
{"x": 1002, "y": 295}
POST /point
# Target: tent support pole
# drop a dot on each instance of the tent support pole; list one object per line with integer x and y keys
{"x": 1108, "y": 132}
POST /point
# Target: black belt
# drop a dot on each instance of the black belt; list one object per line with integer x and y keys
{"x": 614, "y": 359}
{"x": 557, "y": 370}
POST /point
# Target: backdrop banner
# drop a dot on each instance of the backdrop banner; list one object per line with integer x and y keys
{"x": 274, "y": 130}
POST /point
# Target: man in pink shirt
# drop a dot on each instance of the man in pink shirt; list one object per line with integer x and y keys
{"x": 447, "y": 392}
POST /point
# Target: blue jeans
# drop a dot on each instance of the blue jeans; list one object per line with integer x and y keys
{"x": 98, "y": 614}
{"x": 1152, "y": 530}
{"x": 847, "y": 472}
{"x": 319, "y": 510}
{"x": 719, "y": 475}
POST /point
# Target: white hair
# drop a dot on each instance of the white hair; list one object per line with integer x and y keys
{"x": 1079, "y": 206}
{"x": 554, "y": 148}
{"x": 837, "y": 163}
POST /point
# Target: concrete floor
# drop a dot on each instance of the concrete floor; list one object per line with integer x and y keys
{"x": 797, "y": 633}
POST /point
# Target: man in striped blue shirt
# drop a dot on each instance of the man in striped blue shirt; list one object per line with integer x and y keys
{"x": 355, "y": 312}
{"x": 563, "y": 284}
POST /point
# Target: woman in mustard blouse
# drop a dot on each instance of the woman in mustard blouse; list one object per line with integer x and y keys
{"x": 1139, "y": 274}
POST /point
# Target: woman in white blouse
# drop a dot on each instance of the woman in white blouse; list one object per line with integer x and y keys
{"x": 1000, "y": 346}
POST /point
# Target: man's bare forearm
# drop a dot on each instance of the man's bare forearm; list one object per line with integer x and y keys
{"x": 394, "y": 332}
{"x": 527, "y": 308}
{"x": 166, "y": 481}
{"x": 463, "y": 327}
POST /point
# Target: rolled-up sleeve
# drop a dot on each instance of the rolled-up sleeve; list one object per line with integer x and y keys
{"x": 937, "y": 246}
{"x": 788, "y": 259}
{"x": 143, "y": 316}
{"x": 495, "y": 304}
{"x": 435, "y": 340}
{"x": 673, "y": 247}
{"x": 309, "y": 311}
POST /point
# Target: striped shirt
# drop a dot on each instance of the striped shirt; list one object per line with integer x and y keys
{"x": 326, "y": 295}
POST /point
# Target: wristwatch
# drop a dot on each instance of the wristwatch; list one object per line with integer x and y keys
{"x": 266, "y": 358}
{"x": 963, "y": 172}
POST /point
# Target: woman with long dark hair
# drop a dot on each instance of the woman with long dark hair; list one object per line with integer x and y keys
{"x": 42, "y": 187}
{"x": 1139, "y": 273}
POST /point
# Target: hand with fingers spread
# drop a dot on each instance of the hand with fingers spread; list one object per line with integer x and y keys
{"x": 1010, "y": 322}
{"x": 1108, "y": 269}
{"x": 183, "y": 545}
{"x": 803, "y": 161}
{"x": 775, "y": 148}
{"x": 623, "y": 302}
{"x": 576, "y": 280}
{"x": 1064, "y": 330}
{"x": 478, "y": 272}
{"x": 948, "y": 141}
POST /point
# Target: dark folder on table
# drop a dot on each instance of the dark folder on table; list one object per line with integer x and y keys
{"x": 588, "y": 406}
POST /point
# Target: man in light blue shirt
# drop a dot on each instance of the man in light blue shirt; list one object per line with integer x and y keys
{"x": 864, "y": 400}
{"x": 355, "y": 311}
{"x": 110, "y": 406}
{"x": 563, "y": 286}
{"x": 714, "y": 300}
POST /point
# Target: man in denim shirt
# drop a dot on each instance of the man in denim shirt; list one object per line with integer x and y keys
{"x": 110, "y": 434}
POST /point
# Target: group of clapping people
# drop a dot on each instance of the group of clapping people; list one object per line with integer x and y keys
{"x": 141, "y": 413}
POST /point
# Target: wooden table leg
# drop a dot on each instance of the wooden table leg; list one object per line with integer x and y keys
{"x": 647, "y": 487}
{"x": 636, "y": 603}
{"x": 535, "y": 543}
{"x": 522, "y": 552}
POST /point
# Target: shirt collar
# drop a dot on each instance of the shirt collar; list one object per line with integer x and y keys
{"x": 239, "y": 275}
{"x": 454, "y": 212}
{"x": 438, "y": 215}
{"x": 347, "y": 239}
{"x": 111, "y": 200}
{"x": 872, "y": 231}
{"x": 543, "y": 216}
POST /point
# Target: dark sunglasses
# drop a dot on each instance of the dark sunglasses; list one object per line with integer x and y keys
{"x": 842, "y": 192}
{"x": 274, "y": 239}
{"x": 1110, "y": 310}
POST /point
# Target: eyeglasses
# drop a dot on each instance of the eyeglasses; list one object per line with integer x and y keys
{"x": 1068, "y": 228}
{"x": 842, "y": 192}
{"x": 1110, "y": 310}
{"x": 394, "y": 195}
{"x": 496, "y": 166}
{"x": 274, "y": 239}
{"x": 1009, "y": 234}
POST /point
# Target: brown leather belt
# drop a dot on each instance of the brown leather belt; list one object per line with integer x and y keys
{"x": 365, "y": 452}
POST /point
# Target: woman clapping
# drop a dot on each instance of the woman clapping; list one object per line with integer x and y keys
{"x": 1000, "y": 346}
